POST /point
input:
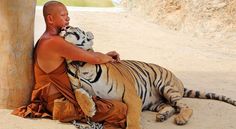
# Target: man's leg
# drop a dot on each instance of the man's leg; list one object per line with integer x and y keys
{"x": 111, "y": 112}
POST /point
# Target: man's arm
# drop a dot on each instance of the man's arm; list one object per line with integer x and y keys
{"x": 69, "y": 51}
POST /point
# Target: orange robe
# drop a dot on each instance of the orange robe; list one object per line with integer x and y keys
{"x": 56, "y": 86}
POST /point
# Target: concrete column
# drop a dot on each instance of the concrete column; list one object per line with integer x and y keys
{"x": 16, "y": 45}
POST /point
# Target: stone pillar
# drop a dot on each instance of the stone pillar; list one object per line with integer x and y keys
{"x": 16, "y": 45}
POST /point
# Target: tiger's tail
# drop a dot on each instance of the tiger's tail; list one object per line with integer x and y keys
{"x": 202, "y": 95}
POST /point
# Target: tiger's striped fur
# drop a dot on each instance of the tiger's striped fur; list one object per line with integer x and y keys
{"x": 142, "y": 86}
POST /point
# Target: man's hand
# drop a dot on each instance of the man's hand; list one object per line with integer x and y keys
{"x": 114, "y": 55}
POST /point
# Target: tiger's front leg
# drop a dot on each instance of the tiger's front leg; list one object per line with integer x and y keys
{"x": 134, "y": 113}
{"x": 83, "y": 98}
{"x": 85, "y": 101}
{"x": 134, "y": 104}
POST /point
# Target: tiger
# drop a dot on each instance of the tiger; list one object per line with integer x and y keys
{"x": 140, "y": 85}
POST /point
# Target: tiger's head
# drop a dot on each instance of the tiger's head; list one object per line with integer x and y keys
{"x": 78, "y": 37}
{"x": 83, "y": 40}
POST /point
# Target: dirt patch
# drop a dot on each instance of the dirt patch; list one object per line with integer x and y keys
{"x": 205, "y": 18}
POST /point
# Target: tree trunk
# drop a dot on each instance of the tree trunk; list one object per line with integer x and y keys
{"x": 16, "y": 45}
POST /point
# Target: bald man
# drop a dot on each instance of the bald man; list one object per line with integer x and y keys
{"x": 52, "y": 95}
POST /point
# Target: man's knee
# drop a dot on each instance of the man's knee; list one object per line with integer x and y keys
{"x": 120, "y": 107}
{"x": 117, "y": 110}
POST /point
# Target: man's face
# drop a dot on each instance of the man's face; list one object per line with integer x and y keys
{"x": 61, "y": 18}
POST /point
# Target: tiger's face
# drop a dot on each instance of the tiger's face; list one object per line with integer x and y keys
{"x": 77, "y": 37}
{"x": 83, "y": 40}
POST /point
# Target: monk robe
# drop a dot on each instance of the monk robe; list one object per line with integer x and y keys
{"x": 53, "y": 97}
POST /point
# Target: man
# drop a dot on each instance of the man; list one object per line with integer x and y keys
{"x": 52, "y": 95}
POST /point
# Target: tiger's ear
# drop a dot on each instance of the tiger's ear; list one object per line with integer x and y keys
{"x": 64, "y": 30}
{"x": 62, "y": 33}
{"x": 89, "y": 35}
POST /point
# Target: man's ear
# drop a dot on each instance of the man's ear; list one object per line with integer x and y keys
{"x": 50, "y": 19}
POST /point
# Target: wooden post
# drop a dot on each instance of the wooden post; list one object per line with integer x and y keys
{"x": 16, "y": 45}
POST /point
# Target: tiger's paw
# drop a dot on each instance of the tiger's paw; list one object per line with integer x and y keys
{"x": 165, "y": 112}
{"x": 85, "y": 101}
{"x": 161, "y": 117}
{"x": 183, "y": 117}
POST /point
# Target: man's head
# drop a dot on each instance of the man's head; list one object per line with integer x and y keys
{"x": 55, "y": 14}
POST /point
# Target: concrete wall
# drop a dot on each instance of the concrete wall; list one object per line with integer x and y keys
{"x": 16, "y": 44}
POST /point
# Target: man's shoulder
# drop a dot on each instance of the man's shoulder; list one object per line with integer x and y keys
{"x": 52, "y": 42}
{"x": 47, "y": 40}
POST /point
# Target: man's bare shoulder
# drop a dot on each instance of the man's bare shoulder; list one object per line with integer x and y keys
{"x": 50, "y": 41}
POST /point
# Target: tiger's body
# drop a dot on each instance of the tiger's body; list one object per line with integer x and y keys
{"x": 142, "y": 86}
{"x": 109, "y": 78}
